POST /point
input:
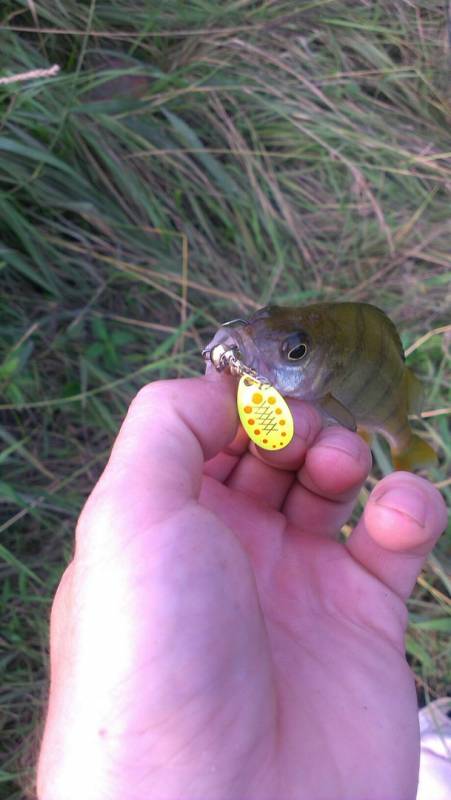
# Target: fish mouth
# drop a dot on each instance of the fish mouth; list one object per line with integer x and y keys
{"x": 233, "y": 336}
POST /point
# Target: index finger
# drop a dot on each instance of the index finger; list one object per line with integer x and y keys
{"x": 156, "y": 463}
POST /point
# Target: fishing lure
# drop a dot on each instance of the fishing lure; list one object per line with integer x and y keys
{"x": 263, "y": 412}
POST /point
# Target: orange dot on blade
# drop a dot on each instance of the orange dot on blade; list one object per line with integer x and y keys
{"x": 281, "y": 422}
{"x": 257, "y": 397}
{"x": 265, "y": 441}
{"x": 274, "y": 446}
{"x": 251, "y": 422}
{"x": 257, "y": 432}
{"x": 284, "y": 433}
{"x": 247, "y": 409}
{"x": 271, "y": 400}
{"x": 278, "y": 410}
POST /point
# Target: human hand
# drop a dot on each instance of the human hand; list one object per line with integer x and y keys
{"x": 211, "y": 640}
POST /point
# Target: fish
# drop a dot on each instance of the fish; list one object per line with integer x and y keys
{"x": 347, "y": 359}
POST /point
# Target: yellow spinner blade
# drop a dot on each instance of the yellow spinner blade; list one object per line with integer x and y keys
{"x": 264, "y": 414}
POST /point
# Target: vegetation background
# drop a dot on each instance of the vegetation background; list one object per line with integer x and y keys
{"x": 191, "y": 161}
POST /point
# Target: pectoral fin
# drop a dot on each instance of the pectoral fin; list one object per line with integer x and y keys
{"x": 337, "y": 411}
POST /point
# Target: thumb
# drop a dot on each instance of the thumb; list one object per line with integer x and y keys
{"x": 403, "y": 518}
{"x": 155, "y": 468}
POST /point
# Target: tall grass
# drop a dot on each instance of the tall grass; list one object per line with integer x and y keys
{"x": 190, "y": 162}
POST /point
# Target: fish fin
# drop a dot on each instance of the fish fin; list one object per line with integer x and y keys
{"x": 367, "y": 436}
{"x": 417, "y": 454}
{"x": 415, "y": 392}
{"x": 338, "y": 411}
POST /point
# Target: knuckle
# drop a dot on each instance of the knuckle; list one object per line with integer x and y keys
{"x": 151, "y": 393}
{"x": 101, "y": 512}
{"x": 159, "y": 395}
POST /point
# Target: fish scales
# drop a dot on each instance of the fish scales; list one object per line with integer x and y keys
{"x": 346, "y": 358}
{"x": 366, "y": 351}
{"x": 379, "y": 369}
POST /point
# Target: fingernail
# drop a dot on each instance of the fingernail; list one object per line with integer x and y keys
{"x": 407, "y": 500}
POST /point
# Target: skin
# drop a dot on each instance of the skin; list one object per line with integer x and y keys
{"x": 211, "y": 640}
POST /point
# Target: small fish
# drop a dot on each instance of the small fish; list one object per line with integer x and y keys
{"x": 345, "y": 358}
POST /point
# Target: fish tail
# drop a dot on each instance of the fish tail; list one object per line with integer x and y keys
{"x": 418, "y": 453}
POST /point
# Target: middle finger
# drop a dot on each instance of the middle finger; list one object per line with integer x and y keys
{"x": 268, "y": 476}
{"x": 328, "y": 482}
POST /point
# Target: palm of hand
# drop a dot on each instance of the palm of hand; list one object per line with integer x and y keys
{"x": 300, "y": 679}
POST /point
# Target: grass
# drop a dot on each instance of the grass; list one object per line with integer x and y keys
{"x": 190, "y": 162}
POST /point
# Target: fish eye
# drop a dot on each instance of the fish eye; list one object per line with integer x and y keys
{"x": 295, "y": 346}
